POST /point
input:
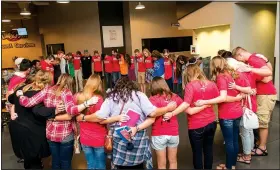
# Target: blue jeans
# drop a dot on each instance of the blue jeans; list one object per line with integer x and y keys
{"x": 201, "y": 140}
{"x": 230, "y": 130}
{"x": 108, "y": 77}
{"x": 116, "y": 77}
{"x": 62, "y": 154}
{"x": 95, "y": 156}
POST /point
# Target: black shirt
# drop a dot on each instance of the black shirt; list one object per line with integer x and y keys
{"x": 86, "y": 66}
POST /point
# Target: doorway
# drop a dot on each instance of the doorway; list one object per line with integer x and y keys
{"x": 54, "y": 48}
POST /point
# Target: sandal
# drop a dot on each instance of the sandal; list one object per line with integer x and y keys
{"x": 221, "y": 166}
{"x": 242, "y": 159}
{"x": 264, "y": 152}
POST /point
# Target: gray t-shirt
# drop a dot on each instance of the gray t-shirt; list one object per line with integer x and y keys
{"x": 140, "y": 104}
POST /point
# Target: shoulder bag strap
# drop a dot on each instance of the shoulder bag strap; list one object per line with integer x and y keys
{"x": 249, "y": 101}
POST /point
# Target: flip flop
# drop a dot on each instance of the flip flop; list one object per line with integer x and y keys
{"x": 264, "y": 152}
{"x": 242, "y": 159}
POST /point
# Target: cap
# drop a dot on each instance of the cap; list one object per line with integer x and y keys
{"x": 18, "y": 61}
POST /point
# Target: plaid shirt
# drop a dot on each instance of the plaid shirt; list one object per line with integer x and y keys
{"x": 56, "y": 130}
{"x": 140, "y": 154}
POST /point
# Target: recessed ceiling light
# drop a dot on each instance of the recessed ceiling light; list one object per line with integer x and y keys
{"x": 25, "y": 12}
{"x": 140, "y": 6}
{"x": 63, "y": 1}
{"x": 6, "y": 20}
{"x": 14, "y": 29}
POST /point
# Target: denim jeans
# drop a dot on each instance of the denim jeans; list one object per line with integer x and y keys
{"x": 170, "y": 83}
{"x": 116, "y": 77}
{"x": 247, "y": 138}
{"x": 108, "y": 77}
{"x": 230, "y": 130}
{"x": 95, "y": 156}
{"x": 177, "y": 89}
{"x": 62, "y": 154}
{"x": 202, "y": 143}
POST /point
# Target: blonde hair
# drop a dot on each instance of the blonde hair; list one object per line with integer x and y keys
{"x": 219, "y": 65}
{"x": 236, "y": 50}
{"x": 41, "y": 80}
{"x": 65, "y": 81}
{"x": 147, "y": 51}
{"x": 93, "y": 86}
{"x": 192, "y": 72}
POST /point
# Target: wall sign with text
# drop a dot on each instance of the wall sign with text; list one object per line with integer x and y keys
{"x": 112, "y": 36}
{"x": 12, "y": 36}
{"x": 18, "y": 45}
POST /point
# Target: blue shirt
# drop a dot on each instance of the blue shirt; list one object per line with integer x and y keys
{"x": 159, "y": 68}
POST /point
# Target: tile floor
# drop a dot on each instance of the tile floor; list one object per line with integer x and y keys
{"x": 9, "y": 161}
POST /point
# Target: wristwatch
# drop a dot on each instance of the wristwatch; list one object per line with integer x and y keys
{"x": 83, "y": 118}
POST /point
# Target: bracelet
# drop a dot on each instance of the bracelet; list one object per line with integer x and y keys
{"x": 267, "y": 61}
{"x": 83, "y": 118}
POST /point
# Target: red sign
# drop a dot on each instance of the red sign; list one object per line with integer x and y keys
{"x": 12, "y": 36}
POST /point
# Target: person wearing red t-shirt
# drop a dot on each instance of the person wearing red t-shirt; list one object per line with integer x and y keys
{"x": 132, "y": 69}
{"x": 165, "y": 134}
{"x": 47, "y": 64}
{"x": 78, "y": 71}
{"x": 97, "y": 63}
{"x": 116, "y": 75}
{"x": 167, "y": 68}
{"x": 229, "y": 106}
{"x": 108, "y": 69}
{"x": 201, "y": 120}
{"x": 92, "y": 133}
{"x": 266, "y": 94}
{"x": 149, "y": 64}
{"x": 141, "y": 70}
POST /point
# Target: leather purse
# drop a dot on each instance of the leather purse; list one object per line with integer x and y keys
{"x": 108, "y": 146}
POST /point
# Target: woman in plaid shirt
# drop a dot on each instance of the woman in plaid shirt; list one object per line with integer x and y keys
{"x": 59, "y": 131}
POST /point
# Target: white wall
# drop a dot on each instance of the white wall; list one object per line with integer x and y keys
{"x": 213, "y": 14}
{"x": 75, "y": 24}
{"x": 276, "y": 52}
{"x": 210, "y": 40}
{"x": 254, "y": 28}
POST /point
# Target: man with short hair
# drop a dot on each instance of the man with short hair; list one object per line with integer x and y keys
{"x": 47, "y": 63}
{"x": 97, "y": 63}
{"x": 266, "y": 93}
{"x": 78, "y": 71}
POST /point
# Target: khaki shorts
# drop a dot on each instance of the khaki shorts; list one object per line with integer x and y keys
{"x": 141, "y": 77}
{"x": 266, "y": 105}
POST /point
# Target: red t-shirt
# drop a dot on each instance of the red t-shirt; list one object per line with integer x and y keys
{"x": 167, "y": 68}
{"x": 149, "y": 62}
{"x": 141, "y": 64}
{"x": 262, "y": 88}
{"x": 198, "y": 90}
{"x": 132, "y": 66}
{"x": 230, "y": 110}
{"x": 97, "y": 63}
{"x": 161, "y": 127}
{"x": 116, "y": 64}
{"x": 91, "y": 133}
{"x": 77, "y": 62}
{"x": 15, "y": 81}
{"x": 108, "y": 64}
{"x": 46, "y": 67}
{"x": 253, "y": 78}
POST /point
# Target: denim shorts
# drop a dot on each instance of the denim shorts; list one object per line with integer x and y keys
{"x": 163, "y": 141}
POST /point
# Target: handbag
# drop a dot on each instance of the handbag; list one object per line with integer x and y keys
{"x": 108, "y": 146}
{"x": 249, "y": 119}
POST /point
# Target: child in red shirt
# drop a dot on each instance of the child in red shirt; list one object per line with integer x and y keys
{"x": 165, "y": 134}
{"x": 97, "y": 63}
{"x": 78, "y": 71}
{"x": 167, "y": 68}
